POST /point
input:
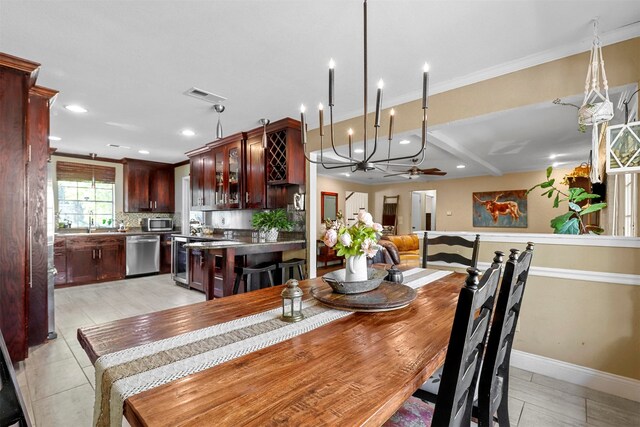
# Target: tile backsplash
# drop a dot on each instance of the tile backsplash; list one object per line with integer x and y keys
{"x": 133, "y": 219}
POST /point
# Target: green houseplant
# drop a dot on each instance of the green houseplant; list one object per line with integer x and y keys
{"x": 271, "y": 222}
{"x": 570, "y": 222}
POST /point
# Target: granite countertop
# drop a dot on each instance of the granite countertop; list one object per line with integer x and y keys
{"x": 77, "y": 233}
{"x": 219, "y": 242}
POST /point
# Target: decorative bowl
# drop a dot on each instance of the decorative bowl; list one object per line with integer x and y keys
{"x": 335, "y": 279}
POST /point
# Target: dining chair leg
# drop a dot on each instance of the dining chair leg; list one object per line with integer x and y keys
{"x": 270, "y": 279}
{"x": 300, "y": 272}
{"x": 236, "y": 284}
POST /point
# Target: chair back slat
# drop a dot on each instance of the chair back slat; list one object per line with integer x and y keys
{"x": 466, "y": 346}
{"x": 494, "y": 378}
{"x": 450, "y": 258}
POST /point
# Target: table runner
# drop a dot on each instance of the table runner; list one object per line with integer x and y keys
{"x": 125, "y": 373}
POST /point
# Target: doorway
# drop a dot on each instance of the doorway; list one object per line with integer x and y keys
{"x": 423, "y": 210}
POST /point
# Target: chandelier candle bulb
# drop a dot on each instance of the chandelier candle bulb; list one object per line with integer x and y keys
{"x": 379, "y": 102}
{"x": 425, "y": 86}
{"x": 303, "y": 126}
{"x": 321, "y": 118}
{"x": 331, "y": 67}
{"x": 391, "y": 114}
{"x": 350, "y": 132}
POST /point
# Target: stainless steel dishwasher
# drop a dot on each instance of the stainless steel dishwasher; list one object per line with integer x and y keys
{"x": 143, "y": 255}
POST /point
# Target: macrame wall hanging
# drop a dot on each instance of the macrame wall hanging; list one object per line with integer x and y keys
{"x": 596, "y": 107}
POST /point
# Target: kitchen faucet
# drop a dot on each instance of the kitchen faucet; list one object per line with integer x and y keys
{"x": 91, "y": 223}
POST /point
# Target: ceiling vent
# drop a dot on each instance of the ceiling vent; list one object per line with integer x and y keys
{"x": 118, "y": 146}
{"x": 204, "y": 95}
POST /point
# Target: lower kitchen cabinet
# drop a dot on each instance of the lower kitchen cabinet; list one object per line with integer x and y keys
{"x": 93, "y": 259}
{"x": 198, "y": 269}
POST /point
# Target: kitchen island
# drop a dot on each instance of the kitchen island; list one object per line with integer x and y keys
{"x": 219, "y": 257}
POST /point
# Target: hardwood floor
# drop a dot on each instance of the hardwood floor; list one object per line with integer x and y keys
{"x": 57, "y": 380}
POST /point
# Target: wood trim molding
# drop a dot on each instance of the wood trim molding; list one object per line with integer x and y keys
{"x": 617, "y": 385}
{"x": 44, "y": 92}
{"x": 21, "y": 65}
{"x": 86, "y": 157}
{"x": 545, "y": 239}
{"x": 570, "y": 274}
{"x": 182, "y": 163}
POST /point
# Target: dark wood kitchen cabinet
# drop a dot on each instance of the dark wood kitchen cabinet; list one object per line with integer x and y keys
{"x": 198, "y": 269}
{"x": 228, "y": 167}
{"x": 148, "y": 186}
{"x": 285, "y": 155}
{"x": 202, "y": 179}
{"x": 24, "y": 131}
{"x": 255, "y": 179}
{"x": 93, "y": 259}
{"x": 217, "y": 174}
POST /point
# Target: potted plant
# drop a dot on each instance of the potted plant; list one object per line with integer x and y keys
{"x": 570, "y": 222}
{"x": 355, "y": 243}
{"x": 271, "y": 222}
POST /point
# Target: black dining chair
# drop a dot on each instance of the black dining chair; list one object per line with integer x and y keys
{"x": 493, "y": 388}
{"x": 462, "y": 362}
{"x": 450, "y": 257}
{"x": 12, "y": 408}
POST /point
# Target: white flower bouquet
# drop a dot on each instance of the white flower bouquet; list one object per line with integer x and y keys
{"x": 359, "y": 239}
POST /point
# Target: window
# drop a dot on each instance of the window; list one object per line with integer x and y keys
{"x": 78, "y": 202}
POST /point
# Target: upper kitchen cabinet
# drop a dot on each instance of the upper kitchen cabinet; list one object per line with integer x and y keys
{"x": 217, "y": 178}
{"x": 202, "y": 178}
{"x": 228, "y": 172}
{"x": 148, "y": 186}
{"x": 255, "y": 187}
{"x": 285, "y": 155}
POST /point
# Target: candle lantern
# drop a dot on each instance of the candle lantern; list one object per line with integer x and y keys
{"x": 292, "y": 302}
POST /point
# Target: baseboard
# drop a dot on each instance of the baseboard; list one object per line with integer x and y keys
{"x": 576, "y": 374}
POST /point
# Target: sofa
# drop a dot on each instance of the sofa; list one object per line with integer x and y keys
{"x": 403, "y": 249}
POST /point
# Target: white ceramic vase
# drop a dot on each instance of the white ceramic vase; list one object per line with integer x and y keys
{"x": 271, "y": 235}
{"x": 356, "y": 270}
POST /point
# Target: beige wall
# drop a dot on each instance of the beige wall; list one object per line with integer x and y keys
{"x": 592, "y": 324}
{"x": 342, "y": 188}
{"x": 455, "y": 196}
{"x": 545, "y": 82}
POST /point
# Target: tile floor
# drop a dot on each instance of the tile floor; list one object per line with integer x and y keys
{"x": 57, "y": 379}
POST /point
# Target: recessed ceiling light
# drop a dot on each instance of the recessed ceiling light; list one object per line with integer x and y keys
{"x": 54, "y": 138}
{"x": 188, "y": 132}
{"x": 358, "y": 150}
{"x": 405, "y": 142}
{"x": 143, "y": 152}
{"x": 553, "y": 156}
{"x": 556, "y": 164}
{"x": 347, "y": 174}
{"x": 76, "y": 108}
{"x": 461, "y": 166}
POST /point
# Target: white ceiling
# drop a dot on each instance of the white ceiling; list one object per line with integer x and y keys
{"x": 129, "y": 62}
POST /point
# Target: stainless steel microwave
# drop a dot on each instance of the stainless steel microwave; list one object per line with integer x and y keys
{"x": 157, "y": 224}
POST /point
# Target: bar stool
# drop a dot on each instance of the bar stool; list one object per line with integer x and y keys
{"x": 244, "y": 274}
{"x": 290, "y": 264}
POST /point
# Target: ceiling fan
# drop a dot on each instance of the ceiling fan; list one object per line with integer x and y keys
{"x": 415, "y": 172}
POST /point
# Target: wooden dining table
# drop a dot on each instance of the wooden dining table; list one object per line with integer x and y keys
{"x": 355, "y": 371}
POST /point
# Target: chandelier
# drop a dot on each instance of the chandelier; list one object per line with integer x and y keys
{"x": 366, "y": 162}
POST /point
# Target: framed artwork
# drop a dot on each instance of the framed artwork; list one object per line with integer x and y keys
{"x": 329, "y": 206}
{"x": 500, "y": 209}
